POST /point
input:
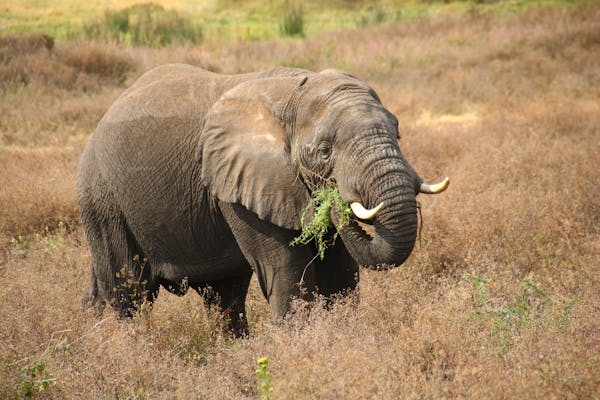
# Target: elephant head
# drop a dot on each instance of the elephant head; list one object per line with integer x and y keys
{"x": 267, "y": 143}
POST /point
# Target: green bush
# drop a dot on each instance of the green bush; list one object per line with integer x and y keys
{"x": 371, "y": 17}
{"x": 146, "y": 24}
{"x": 293, "y": 22}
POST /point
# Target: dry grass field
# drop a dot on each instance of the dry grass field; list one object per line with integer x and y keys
{"x": 500, "y": 299}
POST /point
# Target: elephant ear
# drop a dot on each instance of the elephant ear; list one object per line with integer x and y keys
{"x": 244, "y": 152}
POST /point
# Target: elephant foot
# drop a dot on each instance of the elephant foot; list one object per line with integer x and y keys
{"x": 93, "y": 302}
{"x": 237, "y": 324}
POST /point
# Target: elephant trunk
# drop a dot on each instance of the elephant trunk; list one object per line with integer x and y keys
{"x": 391, "y": 182}
{"x": 395, "y": 229}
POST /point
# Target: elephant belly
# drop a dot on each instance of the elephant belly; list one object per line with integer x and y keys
{"x": 225, "y": 262}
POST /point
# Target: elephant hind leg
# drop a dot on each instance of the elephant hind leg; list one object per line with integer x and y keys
{"x": 91, "y": 298}
{"x": 120, "y": 273}
{"x": 229, "y": 297}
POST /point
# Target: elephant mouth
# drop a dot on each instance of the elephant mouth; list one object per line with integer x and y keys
{"x": 367, "y": 227}
{"x": 383, "y": 236}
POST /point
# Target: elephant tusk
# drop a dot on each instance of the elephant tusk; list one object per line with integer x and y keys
{"x": 361, "y": 212}
{"x": 435, "y": 188}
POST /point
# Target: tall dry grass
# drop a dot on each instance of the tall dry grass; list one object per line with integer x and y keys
{"x": 499, "y": 299}
{"x": 54, "y": 95}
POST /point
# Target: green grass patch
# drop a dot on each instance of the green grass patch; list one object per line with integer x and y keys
{"x": 35, "y": 377}
{"x": 529, "y": 309}
{"x": 293, "y": 22}
{"x": 317, "y": 227}
{"x": 146, "y": 24}
{"x": 224, "y": 21}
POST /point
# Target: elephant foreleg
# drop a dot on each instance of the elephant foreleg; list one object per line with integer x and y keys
{"x": 229, "y": 297}
{"x": 337, "y": 274}
{"x": 283, "y": 272}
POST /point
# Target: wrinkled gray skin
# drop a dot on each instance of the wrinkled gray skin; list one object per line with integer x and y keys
{"x": 195, "y": 179}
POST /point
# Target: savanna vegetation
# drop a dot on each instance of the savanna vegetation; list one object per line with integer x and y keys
{"x": 500, "y": 296}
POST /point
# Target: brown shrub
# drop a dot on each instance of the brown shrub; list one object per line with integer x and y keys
{"x": 12, "y": 46}
{"x": 81, "y": 66}
{"x": 13, "y": 73}
{"x": 94, "y": 59}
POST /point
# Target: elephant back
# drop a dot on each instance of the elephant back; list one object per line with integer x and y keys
{"x": 144, "y": 151}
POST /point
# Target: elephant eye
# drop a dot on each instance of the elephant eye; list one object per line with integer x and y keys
{"x": 324, "y": 150}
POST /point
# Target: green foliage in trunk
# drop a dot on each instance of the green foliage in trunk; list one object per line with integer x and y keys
{"x": 322, "y": 201}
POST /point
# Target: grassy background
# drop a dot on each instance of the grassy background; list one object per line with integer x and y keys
{"x": 232, "y": 20}
{"x": 499, "y": 300}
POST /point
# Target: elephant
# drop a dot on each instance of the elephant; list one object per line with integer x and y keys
{"x": 194, "y": 179}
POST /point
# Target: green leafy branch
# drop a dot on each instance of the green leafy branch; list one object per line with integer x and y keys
{"x": 263, "y": 379}
{"x": 321, "y": 203}
{"x": 35, "y": 376}
{"x": 507, "y": 321}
